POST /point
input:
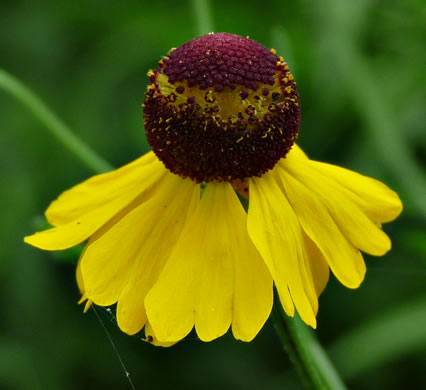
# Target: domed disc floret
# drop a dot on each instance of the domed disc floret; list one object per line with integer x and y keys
{"x": 221, "y": 107}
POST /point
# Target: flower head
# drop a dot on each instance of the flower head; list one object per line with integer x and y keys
{"x": 221, "y": 107}
{"x": 223, "y": 111}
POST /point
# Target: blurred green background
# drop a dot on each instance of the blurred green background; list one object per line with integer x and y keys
{"x": 360, "y": 71}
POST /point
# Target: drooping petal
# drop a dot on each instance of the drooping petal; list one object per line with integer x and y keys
{"x": 360, "y": 230}
{"x": 344, "y": 259}
{"x": 109, "y": 261}
{"x": 253, "y": 292}
{"x": 309, "y": 281}
{"x": 378, "y": 201}
{"x": 317, "y": 266}
{"x": 196, "y": 285}
{"x": 79, "y": 278}
{"x": 154, "y": 228}
{"x": 78, "y": 230}
{"x": 363, "y": 232}
{"x": 253, "y": 285}
{"x": 274, "y": 229}
{"x": 80, "y": 284}
{"x": 97, "y": 191}
{"x": 152, "y": 339}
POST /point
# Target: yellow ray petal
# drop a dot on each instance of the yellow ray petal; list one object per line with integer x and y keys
{"x": 152, "y": 339}
{"x": 153, "y": 229}
{"x": 276, "y": 233}
{"x": 96, "y": 191}
{"x": 79, "y": 277}
{"x": 74, "y": 232}
{"x": 317, "y": 266}
{"x": 309, "y": 280}
{"x": 109, "y": 258}
{"x": 344, "y": 259}
{"x": 361, "y": 231}
{"x": 353, "y": 222}
{"x": 378, "y": 201}
{"x": 253, "y": 285}
{"x": 253, "y": 292}
{"x": 196, "y": 285}
{"x": 80, "y": 284}
{"x": 296, "y": 151}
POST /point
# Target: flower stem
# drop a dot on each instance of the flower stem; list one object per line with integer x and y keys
{"x": 203, "y": 16}
{"x": 305, "y": 352}
{"x": 53, "y": 124}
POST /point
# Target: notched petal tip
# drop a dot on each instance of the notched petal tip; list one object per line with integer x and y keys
{"x": 87, "y": 305}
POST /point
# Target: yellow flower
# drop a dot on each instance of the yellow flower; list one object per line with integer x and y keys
{"x": 169, "y": 240}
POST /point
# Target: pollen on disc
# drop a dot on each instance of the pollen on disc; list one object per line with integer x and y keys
{"x": 221, "y": 107}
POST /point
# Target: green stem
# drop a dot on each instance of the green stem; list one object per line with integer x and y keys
{"x": 203, "y": 16}
{"x": 53, "y": 124}
{"x": 307, "y": 355}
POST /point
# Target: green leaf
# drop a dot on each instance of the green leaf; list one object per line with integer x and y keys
{"x": 381, "y": 340}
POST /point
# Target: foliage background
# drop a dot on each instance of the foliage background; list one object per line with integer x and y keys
{"x": 360, "y": 71}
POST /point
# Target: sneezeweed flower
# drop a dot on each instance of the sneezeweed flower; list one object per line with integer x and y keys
{"x": 168, "y": 239}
